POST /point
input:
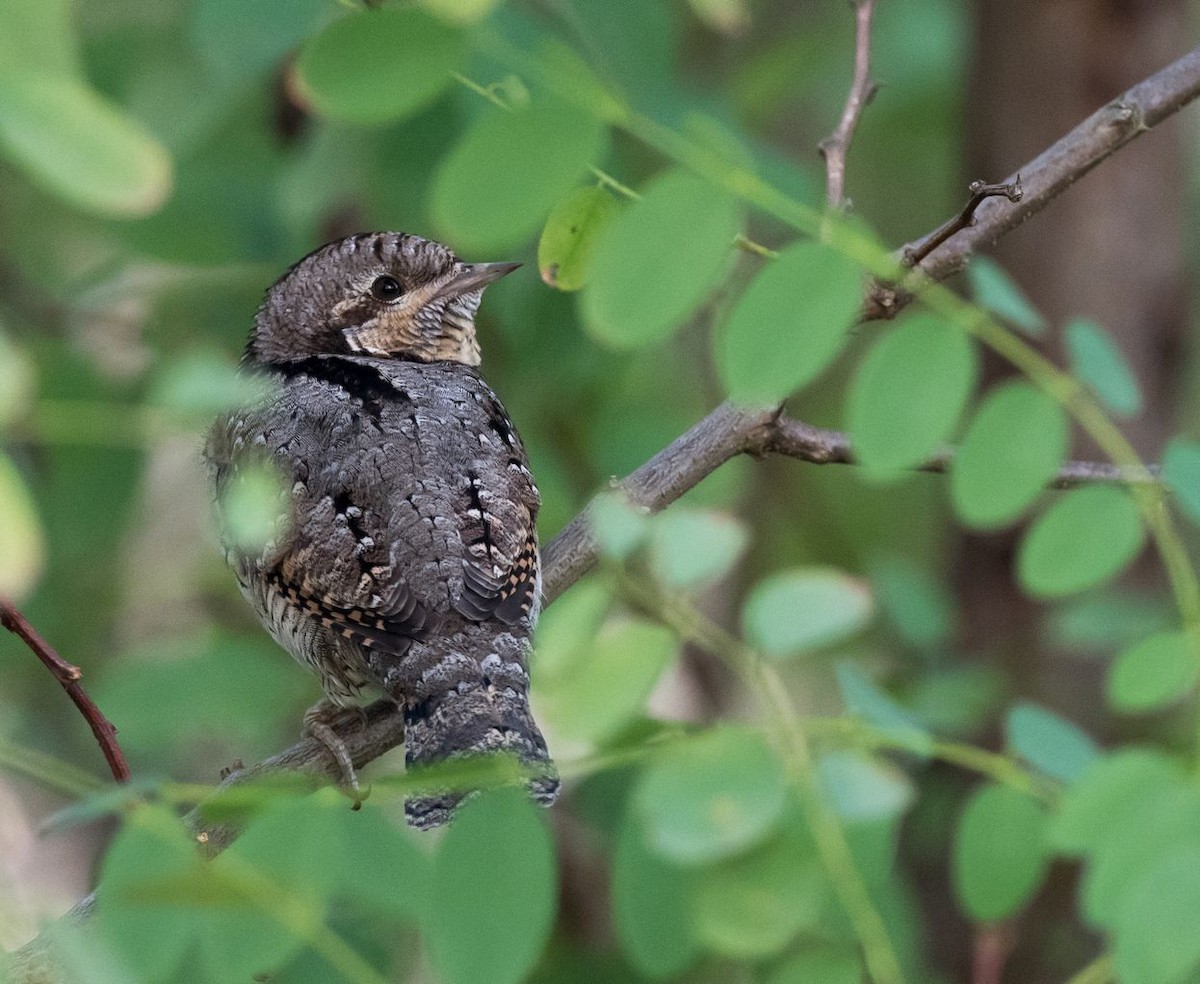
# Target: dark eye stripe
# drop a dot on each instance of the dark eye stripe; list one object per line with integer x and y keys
{"x": 386, "y": 288}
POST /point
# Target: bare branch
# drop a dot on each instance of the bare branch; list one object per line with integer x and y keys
{"x": 1051, "y": 173}
{"x": 912, "y": 255}
{"x": 69, "y": 676}
{"x": 835, "y": 147}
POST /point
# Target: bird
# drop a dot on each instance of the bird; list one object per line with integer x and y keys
{"x": 404, "y": 554}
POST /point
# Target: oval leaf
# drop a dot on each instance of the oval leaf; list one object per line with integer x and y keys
{"x": 797, "y": 611}
{"x": 1181, "y": 471}
{"x": 999, "y": 852}
{"x": 1154, "y": 931}
{"x": 789, "y": 324}
{"x": 1048, "y": 742}
{"x": 495, "y": 187}
{"x": 1014, "y": 445}
{"x": 711, "y": 797}
{"x": 77, "y": 145}
{"x": 649, "y": 909}
{"x": 1082, "y": 540}
{"x": 691, "y": 547}
{"x": 658, "y": 260}
{"x": 569, "y": 238}
{"x": 378, "y": 66}
{"x": 1095, "y": 359}
{"x": 1153, "y": 673}
{"x": 994, "y": 289}
{"x": 908, "y": 394}
{"x": 494, "y": 892}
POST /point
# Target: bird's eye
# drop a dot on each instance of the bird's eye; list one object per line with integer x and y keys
{"x": 386, "y": 288}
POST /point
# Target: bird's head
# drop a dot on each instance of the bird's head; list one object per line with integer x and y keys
{"x": 386, "y": 294}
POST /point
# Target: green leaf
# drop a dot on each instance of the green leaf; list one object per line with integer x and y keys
{"x": 1138, "y": 837}
{"x": 1085, "y": 538}
{"x": 658, "y": 260}
{"x": 867, "y": 701}
{"x": 151, "y": 938}
{"x": 493, "y": 896}
{"x": 862, "y": 789}
{"x": 907, "y": 396}
{"x": 253, "y": 506}
{"x": 1153, "y": 673}
{"x": 1154, "y": 931}
{"x": 1091, "y": 807}
{"x": 1181, "y": 472}
{"x": 797, "y": 611}
{"x": 994, "y": 289}
{"x": 460, "y": 11}
{"x": 202, "y": 384}
{"x": 789, "y": 324}
{"x": 1013, "y": 446}
{"x": 378, "y": 66}
{"x": 496, "y": 186}
{"x": 818, "y": 964}
{"x": 38, "y": 39}
{"x": 750, "y": 906}
{"x": 918, "y": 604}
{"x": 608, "y": 687}
{"x": 694, "y": 547}
{"x": 242, "y": 39}
{"x": 619, "y": 526}
{"x": 77, "y": 145}
{"x": 1095, "y": 359}
{"x": 570, "y": 235}
{"x": 1048, "y": 742}
{"x": 710, "y": 797}
{"x": 564, "y": 634}
{"x": 649, "y": 909}
{"x": 17, "y": 382}
{"x": 21, "y": 541}
{"x": 999, "y": 853}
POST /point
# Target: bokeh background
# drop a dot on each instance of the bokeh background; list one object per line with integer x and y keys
{"x": 128, "y": 284}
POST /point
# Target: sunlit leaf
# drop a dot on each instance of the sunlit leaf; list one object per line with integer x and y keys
{"x": 658, "y": 260}
{"x": 21, "y": 543}
{"x": 565, "y": 631}
{"x": 694, "y": 547}
{"x": 710, "y": 797}
{"x": 995, "y": 289}
{"x": 1048, "y": 742}
{"x": 1086, "y": 537}
{"x": 202, "y": 384}
{"x": 38, "y": 38}
{"x": 1013, "y": 446}
{"x": 999, "y": 853}
{"x": 789, "y": 324}
{"x": 75, "y": 144}
{"x": 1153, "y": 673}
{"x": 460, "y": 11}
{"x": 378, "y": 65}
{"x": 253, "y": 507}
{"x": 908, "y": 394}
{"x": 494, "y": 892}
{"x": 649, "y": 909}
{"x": 497, "y": 185}
{"x": 1181, "y": 471}
{"x": 619, "y": 526}
{"x": 569, "y": 236}
{"x": 750, "y": 906}
{"x": 16, "y": 381}
{"x": 727, "y": 16}
{"x": 797, "y": 611}
{"x": 1095, "y": 359}
{"x": 819, "y": 965}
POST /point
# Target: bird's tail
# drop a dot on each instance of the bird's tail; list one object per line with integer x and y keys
{"x": 461, "y": 705}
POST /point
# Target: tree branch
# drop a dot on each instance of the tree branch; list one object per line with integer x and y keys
{"x": 835, "y": 147}
{"x": 69, "y": 676}
{"x": 1050, "y": 174}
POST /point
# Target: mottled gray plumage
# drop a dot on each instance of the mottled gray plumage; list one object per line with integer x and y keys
{"x": 407, "y": 560}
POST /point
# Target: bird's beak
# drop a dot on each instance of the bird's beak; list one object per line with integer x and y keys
{"x": 475, "y": 276}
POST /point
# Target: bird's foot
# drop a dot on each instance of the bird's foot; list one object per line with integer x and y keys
{"x": 318, "y": 721}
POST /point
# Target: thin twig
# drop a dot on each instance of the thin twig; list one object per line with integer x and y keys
{"x": 835, "y": 147}
{"x": 965, "y": 219}
{"x": 1052, "y": 172}
{"x": 69, "y": 676}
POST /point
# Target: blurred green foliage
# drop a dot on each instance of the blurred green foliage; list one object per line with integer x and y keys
{"x": 162, "y": 163}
